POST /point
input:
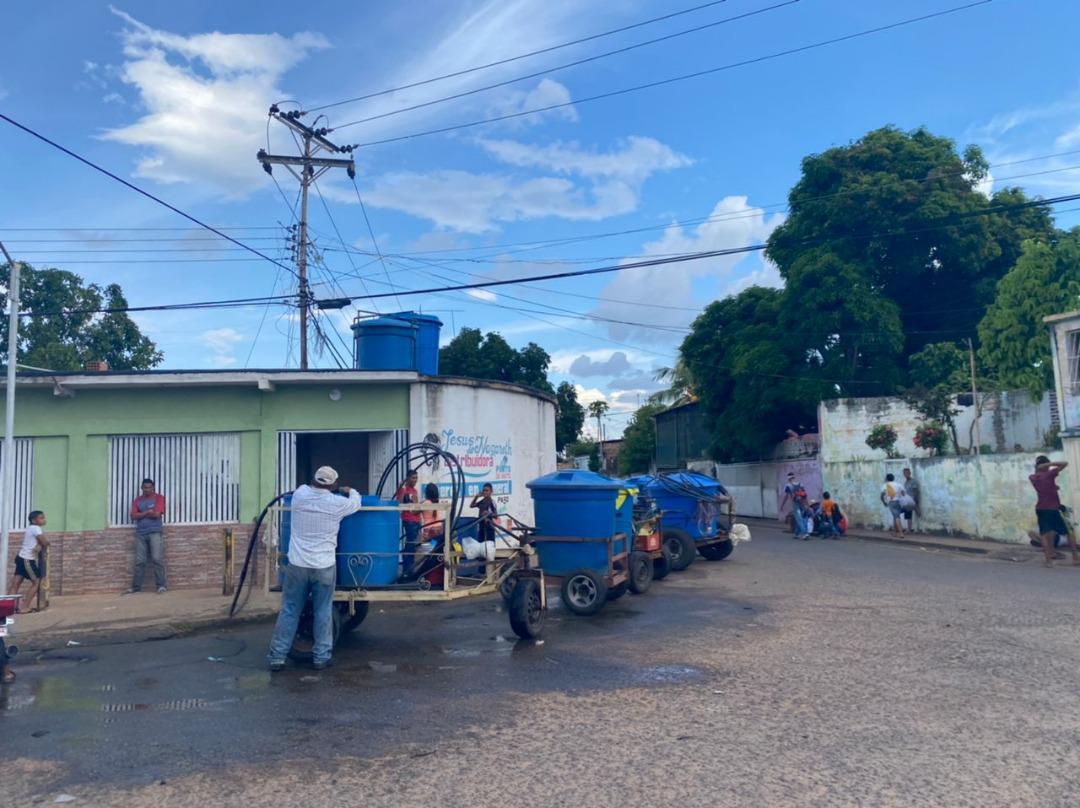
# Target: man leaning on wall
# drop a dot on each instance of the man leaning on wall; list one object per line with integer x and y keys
{"x": 148, "y": 512}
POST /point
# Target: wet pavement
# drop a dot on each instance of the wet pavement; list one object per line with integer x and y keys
{"x": 820, "y": 673}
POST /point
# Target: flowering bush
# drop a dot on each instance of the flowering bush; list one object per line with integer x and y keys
{"x": 931, "y": 437}
{"x": 883, "y": 437}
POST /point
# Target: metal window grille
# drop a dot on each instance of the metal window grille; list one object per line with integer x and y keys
{"x": 199, "y": 475}
{"x": 23, "y": 500}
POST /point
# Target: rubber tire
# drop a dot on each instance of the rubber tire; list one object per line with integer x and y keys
{"x": 527, "y": 611}
{"x": 304, "y": 640}
{"x": 641, "y": 572}
{"x": 506, "y": 589}
{"x": 351, "y": 623}
{"x": 681, "y": 548}
{"x": 617, "y": 591}
{"x": 662, "y": 565}
{"x": 575, "y": 580}
{"x": 718, "y": 551}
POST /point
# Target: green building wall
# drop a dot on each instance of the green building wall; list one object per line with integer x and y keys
{"x": 71, "y": 435}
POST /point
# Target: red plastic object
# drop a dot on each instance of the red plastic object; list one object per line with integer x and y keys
{"x": 9, "y": 604}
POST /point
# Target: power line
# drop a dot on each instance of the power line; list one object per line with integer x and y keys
{"x": 139, "y": 190}
{"x": 341, "y": 240}
{"x": 519, "y": 57}
{"x": 567, "y": 65}
{"x": 205, "y": 304}
{"x": 674, "y": 79}
{"x": 91, "y": 227}
{"x": 371, "y": 233}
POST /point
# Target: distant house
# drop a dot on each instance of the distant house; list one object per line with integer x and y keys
{"x": 680, "y": 437}
{"x": 609, "y": 456}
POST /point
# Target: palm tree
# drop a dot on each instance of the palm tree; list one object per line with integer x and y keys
{"x": 682, "y": 385}
{"x": 597, "y": 410}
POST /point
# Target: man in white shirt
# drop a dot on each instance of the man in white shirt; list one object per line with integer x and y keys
{"x": 316, "y": 515}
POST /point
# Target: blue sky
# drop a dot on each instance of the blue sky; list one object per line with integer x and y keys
{"x": 174, "y": 97}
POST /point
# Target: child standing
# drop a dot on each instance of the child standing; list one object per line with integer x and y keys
{"x": 29, "y": 565}
{"x": 487, "y": 513}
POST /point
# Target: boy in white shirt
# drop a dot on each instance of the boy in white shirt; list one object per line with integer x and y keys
{"x": 28, "y": 563}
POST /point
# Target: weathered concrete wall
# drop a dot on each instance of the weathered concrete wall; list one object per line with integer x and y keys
{"x": 986, "y": 496}
{"x": 758, "y": 487}
{"x": 1009, "y": 420}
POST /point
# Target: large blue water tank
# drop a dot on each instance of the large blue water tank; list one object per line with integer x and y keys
{"x": 385, "y": 343}
{"x": 369, "y": 544}
{"x": 680, "y": 508}
{"x": 428, "y": 327}
{"x": 578, "y": 504}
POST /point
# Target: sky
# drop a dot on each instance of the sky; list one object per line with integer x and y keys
{"x": 173, "y": 97}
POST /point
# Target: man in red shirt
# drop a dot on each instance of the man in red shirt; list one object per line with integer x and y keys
{"x": 410, "y": 520}
{"x": 1048, "y": 509}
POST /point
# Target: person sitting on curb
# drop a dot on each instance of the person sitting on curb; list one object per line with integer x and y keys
{"x": 1048, "y": 510}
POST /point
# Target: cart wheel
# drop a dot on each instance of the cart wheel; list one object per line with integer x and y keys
{"x": 641, "y": 572}
{"x": 661, "y": 565}
{"x": 527, "y": 609}
{"x": 718, "y": 551}
{"x": 353, "y": 621}
{"x": 680, "y": 547}
{"x": 617, "y": 591}
{"x": 304, "y": 641}
{"x": 506, "y": 589}
{"x": 584, "y": 592}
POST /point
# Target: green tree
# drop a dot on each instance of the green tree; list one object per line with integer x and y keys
{"x": 1015, "y": 346}
{"x": 898, "y": 215}
{"x": 597, "y": 410}
{"x": 680, "y": 381}
{"x": 478, "y": 356}
{"x": 68, "y": 340}
{"x": 569, "y": 418}
{"x": 639, "y": 440}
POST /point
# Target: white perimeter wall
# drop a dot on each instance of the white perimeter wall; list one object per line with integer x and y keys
{"x": 501, "y": 436}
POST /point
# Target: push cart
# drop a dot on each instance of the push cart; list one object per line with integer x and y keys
{"x": 9, "y": 607}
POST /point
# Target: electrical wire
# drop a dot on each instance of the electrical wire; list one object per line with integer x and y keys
{"x": 371, "y": 233}
{"x": 519, "y": 57}
{"x": 341, "y": 239}
{"x": 568, "y": 65}
{"x": 672, "y": 79}
{"x": 141, "y": 191}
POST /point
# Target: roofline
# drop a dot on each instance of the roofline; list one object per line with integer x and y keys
{"x": 1056, "y": 318}
{"x": 676, "y": 407}
{"x": 512, "y": 387}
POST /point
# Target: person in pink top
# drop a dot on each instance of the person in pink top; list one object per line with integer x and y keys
{"x": 1048, "y": 510}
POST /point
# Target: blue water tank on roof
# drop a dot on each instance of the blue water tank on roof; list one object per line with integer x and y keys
{"x": 385, "y": 343}
{"x": 428, "y": 327}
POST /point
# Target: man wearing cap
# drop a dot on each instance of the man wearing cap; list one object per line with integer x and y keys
{"x": 316, "y": 514}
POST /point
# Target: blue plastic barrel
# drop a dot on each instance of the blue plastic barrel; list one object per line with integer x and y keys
{"x": 385, "y": 343}
{"x": 369, "y": 543}
{"x": 680, "y": 510}
{"x": 427, "y": 328}
{"x": 578, "y": 504}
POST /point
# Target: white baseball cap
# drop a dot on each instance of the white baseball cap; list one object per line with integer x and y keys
{"x": 326, "y": 476}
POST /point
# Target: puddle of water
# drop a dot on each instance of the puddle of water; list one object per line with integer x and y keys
{"x": 383, "y": 667}
{"x": 669, "y": 674}
{"x": 461, "y": 652}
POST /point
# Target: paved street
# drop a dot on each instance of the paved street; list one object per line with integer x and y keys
{"x": 818, "y": 673}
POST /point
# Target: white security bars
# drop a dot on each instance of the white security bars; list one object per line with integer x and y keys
{"x": 24, "y": 482}
{"x": 199, "y": 475}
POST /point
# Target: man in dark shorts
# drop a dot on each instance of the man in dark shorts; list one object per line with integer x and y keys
{"x": 1048, "y": 510}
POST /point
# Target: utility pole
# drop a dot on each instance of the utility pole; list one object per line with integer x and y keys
{"x": 311, "y": 168}
{"x": 7, "y": 495}
{"x": 977, "y": 441}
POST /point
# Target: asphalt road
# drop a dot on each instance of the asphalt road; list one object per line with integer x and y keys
{"x": 817, "y": 673}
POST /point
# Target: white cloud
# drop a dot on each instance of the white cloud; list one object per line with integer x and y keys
{"x": 476, "y": 202}
{"x": 482, "y": 294}
{"x": 547, "y": 93}
{"x": 732, "y": 223}
{"x": 563, "y": 359}
{"x": 221, "y": 342}
{"x": 615, "y": 365}
{"x": 206, "y": 98}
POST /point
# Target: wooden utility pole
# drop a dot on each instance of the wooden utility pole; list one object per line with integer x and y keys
{"x": 7, "y": 459}
{"x": 977, "y": 440}
{"x": 311, "y": 168}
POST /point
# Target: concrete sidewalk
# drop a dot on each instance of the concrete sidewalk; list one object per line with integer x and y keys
{"x": 1002, "y": 551}
{"x": 100, "y": 619}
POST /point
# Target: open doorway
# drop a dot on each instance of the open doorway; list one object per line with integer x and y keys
{"x": 347, "y": 452}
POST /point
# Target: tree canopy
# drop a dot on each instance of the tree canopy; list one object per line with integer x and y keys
{"x": 488, "y": 356}
{"x": 639, "y": 440}
{"x": 891, "y": 248}
{"x": 67, "y": 341}
{"x": 570, "y": 417}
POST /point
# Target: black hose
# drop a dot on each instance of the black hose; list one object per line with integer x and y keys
{"x": 251, "y": 548}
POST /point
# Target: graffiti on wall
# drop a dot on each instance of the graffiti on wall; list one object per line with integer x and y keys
{"x": 484, "y": 459}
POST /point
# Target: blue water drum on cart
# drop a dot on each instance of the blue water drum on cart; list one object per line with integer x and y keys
{"x": 579, "y": 504}
{"x": 385, "y": 343}
{"x": 427, "y": 328}
{"x": 369, "y": 545}
{"x": 680, "y": 509}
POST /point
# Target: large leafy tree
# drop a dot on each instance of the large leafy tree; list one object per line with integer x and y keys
{"x": 570, "y": 417}
{"x": 639, "y": 440}
{"x": 1015, "y": 347}
{"x": 902, "y": 216}
{"x": 478, "y": 356}
{"x": 63, "y": 332}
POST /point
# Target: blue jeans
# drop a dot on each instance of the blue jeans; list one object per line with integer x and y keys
{"x": 801, "y": 528}
{"x": 297, "y": 584}
{"x": 148, "y": 546}
{"x": 412, "y": 541}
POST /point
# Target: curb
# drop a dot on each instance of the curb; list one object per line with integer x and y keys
{"x": 930, "y": 542}
{"x": 96, "y": 636}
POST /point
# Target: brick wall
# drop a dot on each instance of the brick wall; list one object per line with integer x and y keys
{"x": 100, "y": 562}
